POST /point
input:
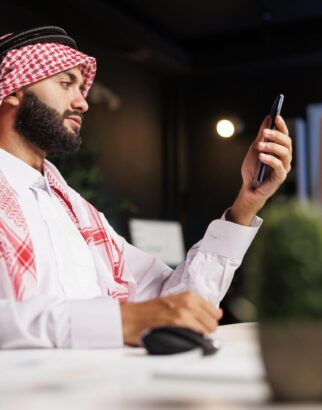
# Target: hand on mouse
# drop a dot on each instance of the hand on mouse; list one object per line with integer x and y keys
{"x": 186, "y": 309}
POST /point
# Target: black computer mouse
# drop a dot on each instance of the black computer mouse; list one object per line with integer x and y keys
{"x": 171, "y": 340}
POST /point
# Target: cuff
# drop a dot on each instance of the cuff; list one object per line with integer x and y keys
{"x": 228, "y": 238}
{"x": 96, "y": 323}
{"x": 256, "y": 221}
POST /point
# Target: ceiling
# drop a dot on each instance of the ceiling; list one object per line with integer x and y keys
{"x": 216, "y": 33}
{"x": 184, "y": 21}
{"x": 194, "y": 35}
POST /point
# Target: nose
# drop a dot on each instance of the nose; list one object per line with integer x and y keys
{"x": 79, "y": 103}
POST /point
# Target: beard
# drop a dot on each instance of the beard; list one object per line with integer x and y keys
{"x": 43, "y": 127}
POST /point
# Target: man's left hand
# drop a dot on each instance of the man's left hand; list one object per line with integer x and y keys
{"x": 274, "y": 149}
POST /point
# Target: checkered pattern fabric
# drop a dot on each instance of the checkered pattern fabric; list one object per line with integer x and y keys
{"x": 17, "y": 252}
{"x": 26, "y": 65}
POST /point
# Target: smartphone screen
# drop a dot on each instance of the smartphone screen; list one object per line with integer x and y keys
{"x": 275, "y": 110}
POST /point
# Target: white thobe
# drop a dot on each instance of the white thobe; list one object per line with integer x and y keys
{"x": 69, "y": 309}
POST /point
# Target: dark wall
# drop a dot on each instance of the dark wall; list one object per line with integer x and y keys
{"x": 131, "y": 140}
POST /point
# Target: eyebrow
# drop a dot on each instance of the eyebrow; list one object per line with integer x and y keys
{"x": 73, "y": 79}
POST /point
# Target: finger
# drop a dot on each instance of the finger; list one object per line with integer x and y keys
{"x": 217, "y": 313}
{"x": 278, "y": 137}
{"x": 209, "y": 321}
{"x": 203, "y": 311}
{"x": 194, "y": 301}
{"x": 265, "y": 124}
{"x": 276, "y": 164}
{"x": 196, "y": 321}
{"x": 281, "y": 125}
{"x": 278, "y": 150}
{"x": 203, "y": 325}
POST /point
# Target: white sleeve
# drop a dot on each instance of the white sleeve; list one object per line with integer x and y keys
{"x": 210, "y": 265}
{"x": 208, "y": 269}
{"x": 46, "y": 322}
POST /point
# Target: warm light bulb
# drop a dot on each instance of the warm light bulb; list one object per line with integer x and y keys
{"x": 225, "y": 128}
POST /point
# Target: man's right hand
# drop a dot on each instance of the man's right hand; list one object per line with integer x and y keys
{"x": 186, "y": 309}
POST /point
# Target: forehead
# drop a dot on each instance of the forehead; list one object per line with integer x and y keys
{"x": 75, "y": 72}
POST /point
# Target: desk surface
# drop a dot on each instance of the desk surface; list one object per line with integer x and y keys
{"x": 128, "y": 379}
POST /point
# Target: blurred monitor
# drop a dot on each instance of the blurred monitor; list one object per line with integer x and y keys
{"x": 163, "y": 239}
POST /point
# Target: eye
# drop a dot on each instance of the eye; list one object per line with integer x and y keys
{"x": 65, "y": 84}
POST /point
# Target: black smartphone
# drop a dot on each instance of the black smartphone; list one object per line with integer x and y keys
{"x": 275, "y": 110}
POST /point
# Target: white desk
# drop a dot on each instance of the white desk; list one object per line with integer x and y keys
{"x": 128, "y": 379}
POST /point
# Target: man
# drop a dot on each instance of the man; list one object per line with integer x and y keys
{"x": 66, "y": 278}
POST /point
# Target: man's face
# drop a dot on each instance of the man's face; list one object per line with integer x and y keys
{"x": 51, "y": 112}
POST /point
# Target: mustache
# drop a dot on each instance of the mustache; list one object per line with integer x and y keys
{"x": 67, "y": 113}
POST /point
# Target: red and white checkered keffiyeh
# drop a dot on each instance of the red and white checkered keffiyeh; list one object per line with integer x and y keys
{"x": 16, "y": 248}
{"x": 32, "y": 63}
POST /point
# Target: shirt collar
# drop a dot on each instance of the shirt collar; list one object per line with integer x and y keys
{"x": 20, "y": 175}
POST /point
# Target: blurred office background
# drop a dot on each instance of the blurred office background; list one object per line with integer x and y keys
{"x": 167, "y": 72}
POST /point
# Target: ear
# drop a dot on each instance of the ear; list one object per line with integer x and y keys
{"x": 12, "y": 100}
